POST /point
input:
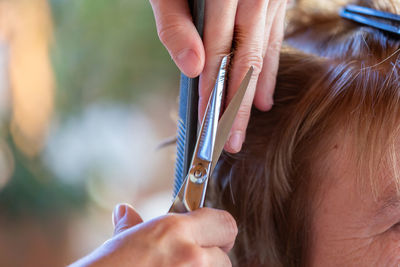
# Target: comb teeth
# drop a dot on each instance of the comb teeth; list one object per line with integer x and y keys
{"x": 180, "y": 150}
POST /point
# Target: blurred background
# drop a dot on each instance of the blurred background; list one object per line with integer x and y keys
{"x": 87, "y": 93}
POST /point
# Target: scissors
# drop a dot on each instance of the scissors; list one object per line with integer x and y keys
{"x": 212, "y": 136}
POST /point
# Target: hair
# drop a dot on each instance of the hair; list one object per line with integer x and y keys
{"x": 337, "y": 80}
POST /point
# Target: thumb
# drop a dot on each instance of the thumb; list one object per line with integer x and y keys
{"x": 125, "y": 217}
{"x": 178, "y": 34}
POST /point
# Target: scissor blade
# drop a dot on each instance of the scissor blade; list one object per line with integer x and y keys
{"x": 208, "y": 129}
{"x": 192, "y": 191}
{"x": 227, "y": 119}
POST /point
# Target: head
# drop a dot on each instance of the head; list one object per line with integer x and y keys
{"x": 317, "y": 180}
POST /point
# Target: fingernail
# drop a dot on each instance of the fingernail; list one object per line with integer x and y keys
{"x": 236, "y": 141}
{"x": 188, "y": 62}
{"x": 119, "y": 213}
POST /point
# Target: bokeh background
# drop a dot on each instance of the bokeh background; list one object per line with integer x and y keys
{"x": 87, "y": 94}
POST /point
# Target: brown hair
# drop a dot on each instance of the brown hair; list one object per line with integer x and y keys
{"x": 344, "y": 82}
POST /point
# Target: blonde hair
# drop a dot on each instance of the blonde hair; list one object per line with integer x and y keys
{"x": 345, "y": 82}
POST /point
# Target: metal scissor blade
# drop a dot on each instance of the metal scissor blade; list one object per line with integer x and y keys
{"x": 192, "y": 192}
{"x": 227, "y": 119}
{"x": 208, "y": 130}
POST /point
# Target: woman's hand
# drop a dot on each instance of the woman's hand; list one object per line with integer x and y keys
{"x": 199, "y": 238}
{"x": 254, "y": 28}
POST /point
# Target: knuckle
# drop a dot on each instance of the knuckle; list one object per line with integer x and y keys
{"x": 244, "y": 111}
{"x": 219, "y": 50}
{"x": 195, "y": 256}
{"x": 251, "y": 59}
{"x": 275, "y": 46}
{"x": 168, "y": 31}
{"x": 173, "y": 223}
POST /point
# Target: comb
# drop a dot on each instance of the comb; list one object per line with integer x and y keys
{"x": 188, "y": 109}
{"x": 381, "y": 20}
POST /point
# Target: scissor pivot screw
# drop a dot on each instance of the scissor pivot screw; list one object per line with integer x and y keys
{"x": 198, "y": 174}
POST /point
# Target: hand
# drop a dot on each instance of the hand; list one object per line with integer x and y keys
{"x": 199, "y": 238}
{"x": 256, "y": 29}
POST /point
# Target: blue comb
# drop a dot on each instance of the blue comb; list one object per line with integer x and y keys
{"x": 188, "y": 109}
{"x": 381, "y": 20}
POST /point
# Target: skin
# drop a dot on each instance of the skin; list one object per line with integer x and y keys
{"x": 352, "y": 225}
{"x": 255, "y": 27}
{"x": 203, "y": 238}
{"x": 200, "y": 238}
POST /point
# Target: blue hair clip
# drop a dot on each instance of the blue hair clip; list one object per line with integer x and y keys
{"x": 385, "y": 21}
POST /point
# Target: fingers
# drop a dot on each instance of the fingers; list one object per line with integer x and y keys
{"x": 248, "y": 51}
{"x": 179, "y": 35}
{"x": 257, "y": 29}
{"x": 219, "y": 24}
{"x": 192, "y": 255}
{"x": 263, "y": 99}
{"x": 213, "y": 228}
{"x": 199, "y": 238}
{"x": 271, "y": 12}
{"x": 125, "y": 217}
